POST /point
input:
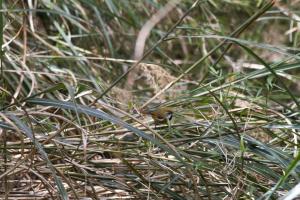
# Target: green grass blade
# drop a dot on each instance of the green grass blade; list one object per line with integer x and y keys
{"x": 26, "y": 130}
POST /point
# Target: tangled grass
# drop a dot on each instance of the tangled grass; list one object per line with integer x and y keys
{"x": 75, "y": 75}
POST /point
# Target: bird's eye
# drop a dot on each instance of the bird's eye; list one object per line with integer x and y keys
{"x": 169, "y": 115}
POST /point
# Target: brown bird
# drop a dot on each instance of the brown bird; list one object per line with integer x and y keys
{"x": 160, "y": 115}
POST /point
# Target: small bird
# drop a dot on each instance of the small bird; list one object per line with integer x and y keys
{"x": 160, "y": 115}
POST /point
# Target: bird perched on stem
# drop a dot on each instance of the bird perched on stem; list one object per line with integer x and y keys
{"x": 160, "y": 115}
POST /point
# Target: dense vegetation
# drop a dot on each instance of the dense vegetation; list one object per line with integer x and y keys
{"x": 77, "y": 74}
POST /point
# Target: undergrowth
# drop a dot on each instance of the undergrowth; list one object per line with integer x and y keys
{"x": 75, "y": 76}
